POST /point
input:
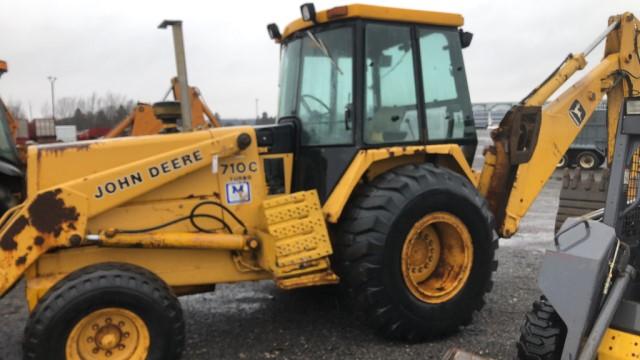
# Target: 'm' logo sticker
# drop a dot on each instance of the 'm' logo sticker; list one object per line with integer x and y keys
{"x": 238, "y": 192}
{"x": 577, "y": 113}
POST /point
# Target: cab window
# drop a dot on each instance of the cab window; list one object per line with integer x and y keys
{"x": 390, "y": 101}
{"x": 316, "y": 85}
{"x": 447, "y": 105}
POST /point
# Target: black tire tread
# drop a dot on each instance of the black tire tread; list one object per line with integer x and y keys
{"x": 95, "y": 276}
{"x": 542, "y": 334}
{"x": 362, "y": 238}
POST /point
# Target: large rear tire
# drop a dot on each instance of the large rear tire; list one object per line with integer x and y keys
{"x": 110, "y": 311}
{"x": 415, "y": 250}
{"x": 542, "y": 334}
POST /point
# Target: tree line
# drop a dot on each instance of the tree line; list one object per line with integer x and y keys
{"x": 93, "y": 111}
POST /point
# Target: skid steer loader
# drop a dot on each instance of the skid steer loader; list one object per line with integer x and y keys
{"x": 590, "y": 305}
{"x": 365, "y": 179}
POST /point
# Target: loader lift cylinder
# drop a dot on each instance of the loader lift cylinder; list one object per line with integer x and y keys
{"x": 181, "y": 65}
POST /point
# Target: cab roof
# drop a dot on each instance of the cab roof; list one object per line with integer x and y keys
{"x": 371, "y": 12}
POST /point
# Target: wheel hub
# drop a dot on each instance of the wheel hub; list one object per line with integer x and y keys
{"x": 113, "y": 333}
{"x": 437, "y": 256}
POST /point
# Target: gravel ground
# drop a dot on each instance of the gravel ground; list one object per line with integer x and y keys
{"x": 258, "y": 321}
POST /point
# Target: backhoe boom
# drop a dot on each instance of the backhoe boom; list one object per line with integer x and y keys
{"x": 534, "y": 135}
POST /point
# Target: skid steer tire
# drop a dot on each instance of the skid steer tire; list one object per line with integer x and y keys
{"x": 542, "y": 334}
{"x": 100, "y": 303}
{"x": 370, "y": 248}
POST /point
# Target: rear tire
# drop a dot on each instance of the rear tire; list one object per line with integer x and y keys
{"x": 543, "y": 333}
{"x": 370, "y": 251}
{"x": 587, "y": 160}
{"x": 113, "y": 307}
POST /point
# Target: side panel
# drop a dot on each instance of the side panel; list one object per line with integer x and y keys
{"x": 364, "y": 159}
{"x": 187, "y": 267}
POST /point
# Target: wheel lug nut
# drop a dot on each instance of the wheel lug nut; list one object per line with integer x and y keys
{"x": 108, "y": 353}
{"x": 121, "y": 324}
{"x": 95, "y": 327}
{"x": 90, "y": 339}
{"x": 95, "y": 350}
{"x": 125, "y": 335}
{"x": 108, "y": 321}
{"x": 121, "y": 347}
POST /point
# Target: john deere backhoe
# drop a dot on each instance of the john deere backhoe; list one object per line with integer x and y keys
{"x": 365, "y": 179}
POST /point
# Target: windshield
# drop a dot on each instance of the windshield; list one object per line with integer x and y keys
{"x": 7, "y": 146}
{"x": 316, "y": 85}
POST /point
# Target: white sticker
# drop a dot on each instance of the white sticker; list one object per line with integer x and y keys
{"x": 214, "y": 164}
{"x": 238, "y": 192}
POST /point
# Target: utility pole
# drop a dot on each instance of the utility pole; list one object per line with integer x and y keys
{"x": 52, "y": 80}
{"x": 257, "y": 113}
{"x": 181, "y": 65}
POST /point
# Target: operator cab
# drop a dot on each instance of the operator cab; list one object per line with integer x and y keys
{"x": 358, "y": 76}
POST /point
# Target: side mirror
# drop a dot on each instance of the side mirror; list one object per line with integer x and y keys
{"x": 465, "y": 38}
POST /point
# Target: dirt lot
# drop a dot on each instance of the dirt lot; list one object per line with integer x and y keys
{"x": 258, "y": 321}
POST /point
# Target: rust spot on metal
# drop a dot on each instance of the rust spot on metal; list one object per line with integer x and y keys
{"x": 29, "y": 248}
{"x": 39, "y": 240}
{"x": 48, "y": 213}
{"x": 8, "y": 241}
{"x": 21, "y": 260}
{"x": 59, "y": 149}
{"x": 75, "y": 240}
{"x": 216, "y": 195}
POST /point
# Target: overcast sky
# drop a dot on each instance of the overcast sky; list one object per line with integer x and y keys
{"x": 101, "y": 46}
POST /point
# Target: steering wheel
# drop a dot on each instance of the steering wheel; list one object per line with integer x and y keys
{"x": 303, "y": 101}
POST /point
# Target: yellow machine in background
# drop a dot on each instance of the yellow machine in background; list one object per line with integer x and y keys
{"x": 162, "y": 117}
{"x": 183, "y": 114}
{"x": 365, "y": 179}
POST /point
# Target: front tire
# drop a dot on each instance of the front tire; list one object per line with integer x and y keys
{"x": 416, "y": 249}
{"x": 543, "y": 333}
{"x": 111, "y": 311}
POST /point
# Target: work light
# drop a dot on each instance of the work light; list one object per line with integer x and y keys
{"x": 308, "y": 12}
{"x": 274, "y": 32}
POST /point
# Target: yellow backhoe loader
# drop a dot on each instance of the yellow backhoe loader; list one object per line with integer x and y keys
{"x": 365, "y": 179}
{"x": 162, "y": 117}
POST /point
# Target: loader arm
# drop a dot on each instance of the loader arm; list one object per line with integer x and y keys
{"x": 534, "y": 135}
{"x": 57, "y": 216}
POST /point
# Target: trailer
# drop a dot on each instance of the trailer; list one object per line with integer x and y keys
{"x": 589, "y": 150}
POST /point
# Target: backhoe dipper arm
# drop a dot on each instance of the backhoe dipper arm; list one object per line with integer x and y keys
{"x": 533, "y": 137}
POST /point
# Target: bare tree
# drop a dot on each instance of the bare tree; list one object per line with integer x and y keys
{"x": 16, "y": 109}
